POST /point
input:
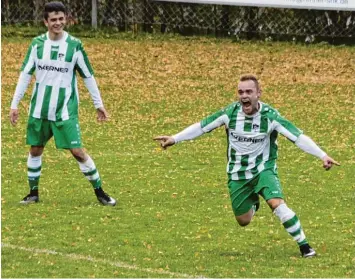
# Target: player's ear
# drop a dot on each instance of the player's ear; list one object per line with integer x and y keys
{"x": 45, "y": 22}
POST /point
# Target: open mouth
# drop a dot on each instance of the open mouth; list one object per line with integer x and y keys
{"x": 246, "y": 103}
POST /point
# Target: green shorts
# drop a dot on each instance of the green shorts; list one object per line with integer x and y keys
{"x": 66, "y": 133}
{"x": 245, "y": 193}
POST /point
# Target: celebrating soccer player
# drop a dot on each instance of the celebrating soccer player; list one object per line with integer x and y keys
{"x": 55, "y": 57}
{"x": 252, "y": 128}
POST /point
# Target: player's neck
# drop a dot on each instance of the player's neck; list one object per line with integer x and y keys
{"x": 55, "y": 36}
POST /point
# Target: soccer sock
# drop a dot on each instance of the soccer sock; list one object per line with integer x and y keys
{"x": 34, "y": 165}
{"x": 291, "y": 223}
{"x": 88, "y": 168}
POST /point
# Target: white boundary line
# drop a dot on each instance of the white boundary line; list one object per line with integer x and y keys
{"x": 95, "y": 260}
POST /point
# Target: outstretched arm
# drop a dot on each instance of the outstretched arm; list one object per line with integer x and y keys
{"x": 22, "y": 84}
{"x": 308, "y": 145}
{"x": 189, "y": 133}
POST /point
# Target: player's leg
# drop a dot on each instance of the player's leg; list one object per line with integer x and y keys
{"x": 292, "y": 225}
{"x": 38, "y": 133}
{"x": 271, "y": 191}
{"x": 244, "y": 219}
{"x": 67, "y": 136}
{"x": 245, "y": 202}
{"x": 88, "y": 168}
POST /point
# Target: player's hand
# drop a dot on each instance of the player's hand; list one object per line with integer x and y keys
{"x": 328, "y": 162}
{"x": 165, "y": 141}
{"x": 14, "y": 113}
{"x": 102, "y": 114}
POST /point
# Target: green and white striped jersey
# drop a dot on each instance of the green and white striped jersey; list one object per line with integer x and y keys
{"x": 252, "y": 140}
{"x": 55, "y": 95}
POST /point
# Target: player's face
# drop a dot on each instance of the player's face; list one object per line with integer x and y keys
{"x": 248, "y": 95}
{"x": 55, "y": 23}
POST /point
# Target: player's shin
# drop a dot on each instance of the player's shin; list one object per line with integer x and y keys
{"x": 291, "y": 223}
{"x": 88, "y": 168}
{"x": 34, "y": 166}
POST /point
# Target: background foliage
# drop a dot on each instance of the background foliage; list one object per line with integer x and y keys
{"x": 191, "y": 19}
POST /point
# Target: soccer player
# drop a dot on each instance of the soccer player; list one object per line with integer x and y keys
{"x": 55, "y": 57}
{"x": 252, "y": 129}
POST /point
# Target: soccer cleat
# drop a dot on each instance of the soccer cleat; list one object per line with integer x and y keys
{"x": 104, "y": 198}
{"x": 30, "y": 198}
{"x": 307, "y": 251}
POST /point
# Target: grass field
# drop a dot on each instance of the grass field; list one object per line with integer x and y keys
{"x": 174, "y": 217}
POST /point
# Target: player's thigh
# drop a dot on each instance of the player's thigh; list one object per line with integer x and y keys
{"x": 269, "y": 186}
{"x": 67, "y": 134}
{"x": 38, "y": 131}
{"x": 242, "y": 195}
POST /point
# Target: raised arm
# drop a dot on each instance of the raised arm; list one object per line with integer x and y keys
{"x": 207, "y": 124}
{"x": 191, "y": 132}
{"x": 308, "y": 145}
{"x": 305, "y": 143}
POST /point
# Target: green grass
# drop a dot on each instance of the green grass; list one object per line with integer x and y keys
{"x": 174, "y": 212}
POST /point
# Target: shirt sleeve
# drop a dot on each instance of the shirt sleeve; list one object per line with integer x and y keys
{"x": 308, "y": 145}
{"x": 82, "y": 63}
{"x": 189, "y": 133}
{"x": 22, "y": 85}
{"x": 94, "y": 91}
{"x": 286, "y": 128}
{"x": 215, "y": 120}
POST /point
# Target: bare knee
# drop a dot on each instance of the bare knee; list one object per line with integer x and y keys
{"x": 79, "y": 154}
{"x": 274, "y": 203}
{"x": 245, "y": 219}
{"x": 36, "y": 151}
{"x": 243, "y": 223}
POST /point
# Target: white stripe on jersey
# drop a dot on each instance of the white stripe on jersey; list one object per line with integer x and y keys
{"x": 39, "y": 100}
{"x": 239, "y": 126}
{"x": 31, "y": 61}
{"x": 65, "y": 112}
{"x": 237, "y": 165}
{"x": 251, "y": 164}
{"x": 47, "y": 50}
{"x": 53, "y": 102}
{"x": 266, "y": 154}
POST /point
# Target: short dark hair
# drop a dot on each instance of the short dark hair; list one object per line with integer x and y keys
{"x": 55, "y": 6}
{"x": 250, "y": 77}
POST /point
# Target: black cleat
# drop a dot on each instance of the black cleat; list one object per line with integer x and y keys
{"x": 307, "y": 251}
{"x": 104, "y": 198}
{"x": 30, "y": 198}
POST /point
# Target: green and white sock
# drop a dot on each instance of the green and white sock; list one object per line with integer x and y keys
{"x": 34, "y": 166}
{"x": 88, "y": 168}
{"x": 291, "y": 223}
